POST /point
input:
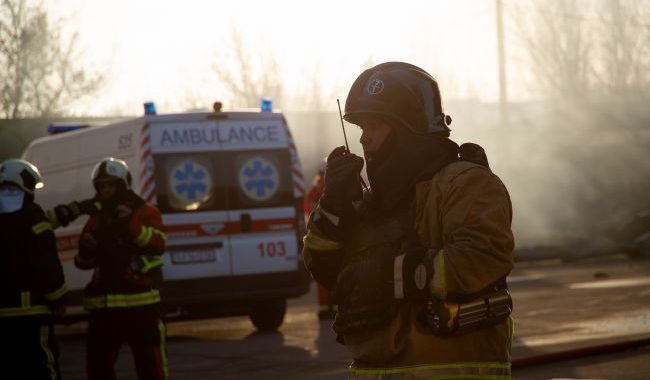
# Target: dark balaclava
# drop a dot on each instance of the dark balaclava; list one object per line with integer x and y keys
{"x": 403, "y": 160}
{"x": 408, "y": 99}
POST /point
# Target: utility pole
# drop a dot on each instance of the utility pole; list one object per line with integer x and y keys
{"x": 501, "y": 56}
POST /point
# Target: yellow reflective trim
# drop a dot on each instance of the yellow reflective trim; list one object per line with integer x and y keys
{"x": 122, "y": 300}
{"x": 41, "y": 227}
{"x": 150, "y": 263}
{"x": 51, "y": 296}
{"x": 163, "y": 348}
{"x": 21, "y": 311}
{"x": 45, "y": 336}
{"x": 25, "y": 299}
{"x": 319, "y": 243}
{"x": 468, "y": 370}
{"x": 144, "y": 237}
{"x": 453, "y": 314}
{"x": 161, "y": 233}
{"x": 51, "y": 217}
{"x": 146, "y": 233}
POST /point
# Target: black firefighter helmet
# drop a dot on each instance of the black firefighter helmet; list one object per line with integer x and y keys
{"x": 401, "y": 92}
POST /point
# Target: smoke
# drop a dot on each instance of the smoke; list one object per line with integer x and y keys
{"x": 573, "y": 172}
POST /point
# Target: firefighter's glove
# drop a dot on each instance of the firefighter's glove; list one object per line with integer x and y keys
{"x": 342, "y": 185}
{"x": 89, "y": 207}
{"x": 412, "y": 274}
{"x": 66, "y": 214}
{"x": 86, "y": 259}
{"x": 366, "y": 284}
{"x": 142, "y": 264}
{"x": 335, "y": 211}
{"x": 363, "y": 294}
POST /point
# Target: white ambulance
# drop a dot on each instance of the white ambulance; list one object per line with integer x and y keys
{"x": 230, "y": 188}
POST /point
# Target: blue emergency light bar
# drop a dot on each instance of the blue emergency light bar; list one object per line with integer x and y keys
{"x": 266, "y": 104}
{"x": 56, "y": 128}
{"x": 149, "y": 108}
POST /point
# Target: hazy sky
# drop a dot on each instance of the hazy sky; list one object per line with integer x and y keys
{"x": 164, "y": 50}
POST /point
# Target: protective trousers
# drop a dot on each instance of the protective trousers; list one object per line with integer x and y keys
{"x": 29, "y": 349}
{"x": 139, "y": 327}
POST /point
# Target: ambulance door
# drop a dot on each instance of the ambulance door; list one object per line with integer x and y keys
{"x": 191, "y": 194}
{"x": 262, "y": 222}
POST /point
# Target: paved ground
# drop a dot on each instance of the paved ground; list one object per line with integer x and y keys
{"x": 558, "y": 307}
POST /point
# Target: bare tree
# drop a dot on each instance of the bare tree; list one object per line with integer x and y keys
{"x": 39, "y": 70}
{"x": 249, "y": 79}
{"x": 624, "y": 58}
{"x": 558, "y": 44}
{"x": 579, "y": 50}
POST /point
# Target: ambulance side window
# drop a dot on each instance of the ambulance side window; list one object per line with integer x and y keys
{"x": 189, "y": 182}
{"x": 261, "y": 179}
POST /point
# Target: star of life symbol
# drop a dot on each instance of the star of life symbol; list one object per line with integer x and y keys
{"x": 258, "y": 179}
{"x": 375, "y": 87}
{"x": 190, "y": 182}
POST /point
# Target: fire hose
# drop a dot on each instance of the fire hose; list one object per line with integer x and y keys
{"x": 599, "y": 349}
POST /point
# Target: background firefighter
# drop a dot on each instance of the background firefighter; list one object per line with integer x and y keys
{"x": 123, "y": 243}
{"x": 326, "y": 306}
{"x": 418, "y": 263}
{"x": 32, "y": 284}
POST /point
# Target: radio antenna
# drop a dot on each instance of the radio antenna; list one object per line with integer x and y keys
{"x": 345, "y": 137}
{"x": 347, "y": 147}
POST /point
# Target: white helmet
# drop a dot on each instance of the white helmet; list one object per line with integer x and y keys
{"x": 22, "y": 174}
{"x": 110, "y": 169}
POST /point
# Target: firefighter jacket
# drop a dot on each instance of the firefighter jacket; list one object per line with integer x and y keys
{"x": 31, "y": 276}
{"x": 125, "y": 255}
{"x": 462, "y": 215}
{"x": 314, "y": 194}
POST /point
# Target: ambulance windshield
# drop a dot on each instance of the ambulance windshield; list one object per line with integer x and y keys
{"x": 223, "y": 180}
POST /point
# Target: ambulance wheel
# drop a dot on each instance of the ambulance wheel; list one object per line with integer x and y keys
{"x": 268, "y": 315}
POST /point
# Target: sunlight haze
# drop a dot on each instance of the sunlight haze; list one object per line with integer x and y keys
{"x": 165, "y": 50}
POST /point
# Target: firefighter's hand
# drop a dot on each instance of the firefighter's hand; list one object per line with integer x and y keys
{"x": 88, "y": 207}
{"x": 65, "y": 214}
{"x": 88, "y": 241}
{"x": 365, "y": 283}
{"x": 84, "y": 260}
{"x": 342, "y": 185}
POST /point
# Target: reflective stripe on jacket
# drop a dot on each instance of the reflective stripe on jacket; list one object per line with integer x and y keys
{"x": 25, "y": 308}
{"x": 485, "y": 370}
{"x": 121, "y": 300}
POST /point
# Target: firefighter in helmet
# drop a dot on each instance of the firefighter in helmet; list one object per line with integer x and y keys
{"x": 32, "y": 285}
{"x": 326, "y": 306}
{"x": 123, "y": 243}
{"x": 418, "y": 263}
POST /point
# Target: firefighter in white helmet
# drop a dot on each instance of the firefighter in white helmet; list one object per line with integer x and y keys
{"x": 32, "y": 285}
{"x": 418, "y": 263}
{"x": 122, "y": 243}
